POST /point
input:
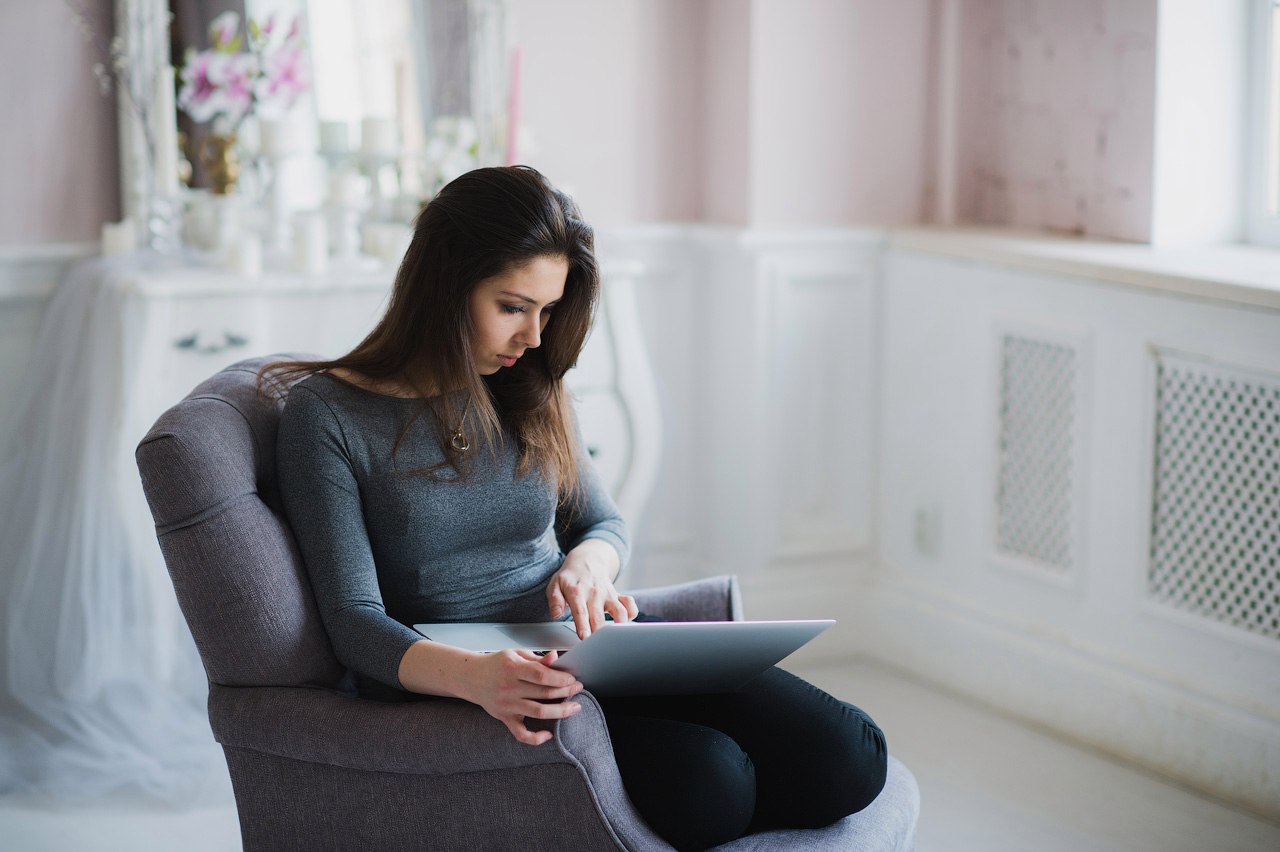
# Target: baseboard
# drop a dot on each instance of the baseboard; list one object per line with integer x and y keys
{"x": 1217, "y": 748}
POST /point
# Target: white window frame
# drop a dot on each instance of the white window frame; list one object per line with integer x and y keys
{"x": 1263, "y": 225}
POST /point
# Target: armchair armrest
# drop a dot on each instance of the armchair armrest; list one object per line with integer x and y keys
{"x": 436, "y": 737}
{"x": 712, "y": 599}
{"x": 439, "y": 737}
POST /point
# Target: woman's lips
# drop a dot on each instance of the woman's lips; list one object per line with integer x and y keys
{"x": 507, "y": 360}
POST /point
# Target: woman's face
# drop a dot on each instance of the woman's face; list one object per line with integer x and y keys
{"x": 509, "y": 311}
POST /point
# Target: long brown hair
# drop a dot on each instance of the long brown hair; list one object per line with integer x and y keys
{"x": 481, "y": 225}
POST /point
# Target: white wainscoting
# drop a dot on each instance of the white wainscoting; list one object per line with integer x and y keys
{"x": 1082, "y": 648}
{"x": 764, "y": 346}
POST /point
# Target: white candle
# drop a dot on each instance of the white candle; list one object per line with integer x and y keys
{"x": 335, "y": 137}
{"x": 244, "y": 257}
{"x": 344, "y": 232}
{"x": 310, "y": 243}
{"x": 346, "y": 189}
{"x": 371, "y": 238}
{"x": 378, "y": 136}
{"x": 165, "y": 123}
{"x": 247, "y": 137}
{"x": 197, "y": 220}
{"x": 226, "y": 218}
{"x": 118, "y": 237}
{"x": 395, "y": 242}
{"x": 277, "y": 137}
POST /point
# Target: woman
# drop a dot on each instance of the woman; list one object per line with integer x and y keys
{"x": 435, "y": 474}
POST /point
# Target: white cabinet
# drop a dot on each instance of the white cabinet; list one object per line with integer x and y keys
{"x": 180, "y": 326}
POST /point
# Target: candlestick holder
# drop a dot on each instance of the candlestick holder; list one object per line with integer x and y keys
{"x": 279, "y": 228}
{"x": 344, "y": 231}
{"x": 377, "y": 166}
{"x": 162, "y": 224}
{"x": 339, "y": 160}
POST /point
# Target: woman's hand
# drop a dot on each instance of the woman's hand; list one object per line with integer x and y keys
{"x": 513, "y": 684}
{"x": 584, "y": 585}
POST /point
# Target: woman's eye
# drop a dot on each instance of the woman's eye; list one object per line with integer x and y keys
{"x": 512, "y": 309}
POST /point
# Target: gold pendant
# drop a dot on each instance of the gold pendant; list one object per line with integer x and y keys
{"x": 460, "y": 443}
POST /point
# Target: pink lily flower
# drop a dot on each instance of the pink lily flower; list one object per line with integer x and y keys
{"x": 198, "y": 95}
{"x": 237, "y": 77}
{"x": 224, "y": 29}
{"x": 286, "y": 77}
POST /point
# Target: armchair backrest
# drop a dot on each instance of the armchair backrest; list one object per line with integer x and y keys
{"x": 208, "y": 470}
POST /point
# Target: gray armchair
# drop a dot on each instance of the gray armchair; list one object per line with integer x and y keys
{"x": 313, "y": 768}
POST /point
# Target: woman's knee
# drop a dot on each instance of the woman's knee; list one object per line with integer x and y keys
{"x": 694, "y": 785}
{"x": 849, "y": 773}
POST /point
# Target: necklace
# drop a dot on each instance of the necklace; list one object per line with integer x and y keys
{"x": 459, "y": 440}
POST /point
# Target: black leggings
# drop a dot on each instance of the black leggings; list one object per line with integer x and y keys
{"x": 779, "y": 752}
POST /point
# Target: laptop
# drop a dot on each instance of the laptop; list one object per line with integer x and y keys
{"x": 646, "y": 658}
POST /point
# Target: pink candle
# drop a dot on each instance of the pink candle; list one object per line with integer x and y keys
{"x": 513, "y": 108}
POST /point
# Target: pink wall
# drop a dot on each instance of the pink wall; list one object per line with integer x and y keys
{"x": 1057, "y": 115}
{"x": 611, "y": 96}
{"x": 838, "y": 112}
{"x": 744, "y": 112}
{"x": 724, "y": 155}
{"x": 747, "y": 112}
{"x": 59, "y": 150}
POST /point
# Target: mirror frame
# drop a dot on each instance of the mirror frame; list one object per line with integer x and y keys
{"x": 143, "y": 29}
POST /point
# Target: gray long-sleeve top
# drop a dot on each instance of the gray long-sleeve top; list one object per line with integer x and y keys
{"x": 386, "y": 549}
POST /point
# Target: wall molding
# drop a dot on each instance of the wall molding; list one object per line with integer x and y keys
{"x": 32, "y": 273}
{"x": 1219, "y": 747}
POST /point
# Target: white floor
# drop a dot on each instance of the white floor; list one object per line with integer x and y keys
{"x": 987, "y": 784}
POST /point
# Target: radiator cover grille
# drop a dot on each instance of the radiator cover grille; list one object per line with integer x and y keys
{"x": 1215, "y": 535}
{"x": 1037, "y": 452}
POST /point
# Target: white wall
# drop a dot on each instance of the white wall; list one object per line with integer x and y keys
{"x": 1088, "y": 651}
{"x": 763, "y": 344}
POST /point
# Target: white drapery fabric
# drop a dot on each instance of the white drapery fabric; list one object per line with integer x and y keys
{"x": 102, "y": 687}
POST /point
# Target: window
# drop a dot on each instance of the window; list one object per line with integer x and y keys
{"x": 1263, "y": 183}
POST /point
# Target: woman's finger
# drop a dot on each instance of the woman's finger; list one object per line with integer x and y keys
{"x": 632, "y": 608}
{"x": 552, "y": 693}
{"x": 595, "y": 607}
{"x": 538, "y": 672}
{"x": 555, "y": 600}
{"x": 618, "y": 610}
{"x": 518, "y": 730}
{"x": 554, "y": 710}
{"x": 581, "y": 617}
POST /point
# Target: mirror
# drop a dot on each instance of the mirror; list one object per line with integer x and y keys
{"x": 406, "y": 94}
